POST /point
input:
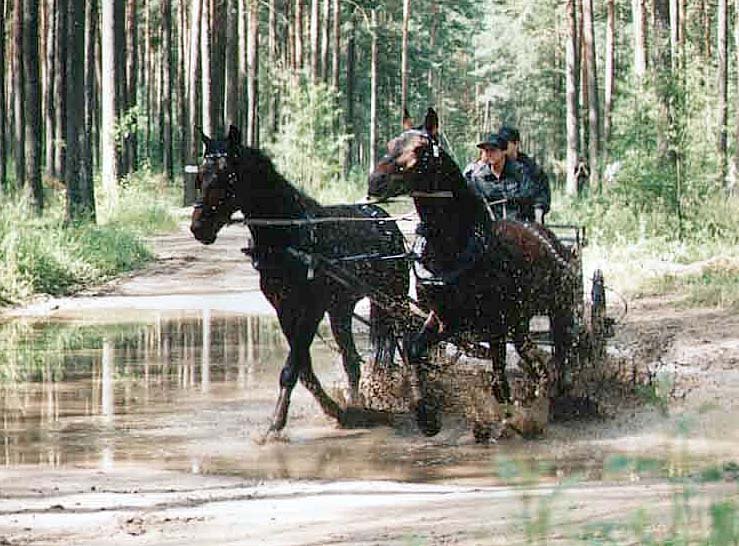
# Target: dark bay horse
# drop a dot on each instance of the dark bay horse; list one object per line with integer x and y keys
{"x": 289, "y": 229}
{"x": 497, "y": 274}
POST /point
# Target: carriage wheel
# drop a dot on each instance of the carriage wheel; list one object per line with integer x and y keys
{"x": 598, "y": 322}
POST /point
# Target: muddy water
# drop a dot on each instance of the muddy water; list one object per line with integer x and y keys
{"x": 194, "y": 392}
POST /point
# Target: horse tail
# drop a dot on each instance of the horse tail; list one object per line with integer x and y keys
{"x": 383, "y": 335}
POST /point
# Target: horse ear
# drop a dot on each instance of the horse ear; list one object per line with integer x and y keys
{"x": 234, "y": 135}
{"x": 431, "y": 123}
{"x": 407, "y": 123}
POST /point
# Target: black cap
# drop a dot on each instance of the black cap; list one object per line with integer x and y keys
{"x": 493, "y": 140}
{"x": 509, "y": 133}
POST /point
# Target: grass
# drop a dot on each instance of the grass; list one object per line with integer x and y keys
{"x": 45, "y": 255}
{"x": 642, "y": 256}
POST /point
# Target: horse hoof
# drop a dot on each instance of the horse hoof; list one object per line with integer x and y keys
{"x": 428, "y": 420}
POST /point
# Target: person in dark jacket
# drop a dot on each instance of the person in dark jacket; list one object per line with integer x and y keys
{"x": 504, "y": 184}
{"x": 541, "y": 198}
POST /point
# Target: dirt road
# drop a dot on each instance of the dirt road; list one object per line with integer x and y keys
{"x": 584, "y": 479}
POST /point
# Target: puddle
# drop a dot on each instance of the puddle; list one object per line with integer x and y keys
{"x": 141, "y": 389}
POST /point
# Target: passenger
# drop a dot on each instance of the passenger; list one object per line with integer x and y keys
{"x": 542, "y": 195}
{"x": 502, "y": 183}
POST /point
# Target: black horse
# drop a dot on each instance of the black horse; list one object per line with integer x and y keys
{"x": 306, "y": 257}
{"x": 495, "y": 275}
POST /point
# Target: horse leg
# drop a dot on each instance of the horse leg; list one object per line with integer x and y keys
{"x": 501, "y": 388}
{"x": 534, "y": 361}
{"x": 340, "y": 318}
{"x": 562, "y": 324}
{"x": 415, "y": 349}
{"x": 299, "y": 323}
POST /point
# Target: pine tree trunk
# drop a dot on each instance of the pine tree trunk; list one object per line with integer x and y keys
{"x": 298, "y": 35}
{"x": 707, "y": 29}
{"x": 18, "y": 96}
{"x": 349, "y": 93}
{"x": 723, "y": 69}
{"x": 87, "y": 188}
{"x": 73, "y": 174}
{"x": 593, "y": 101}
{"x": 736, "y": 95}
{"x": 640, "y": 38}
{"x": 572, "y": 95}
{"x": 32, "y": 105}
{"x": 218, "y": 64}
{"x": 314, "y": 46}
{"x": 60, "y": 86}
{"x": 121, "y": 103}
{"x": 610, "y": 70}
{"x": 252, "y": 61}
{"x": 272, "y": 61}
{"x": 166, "y": 95}
{"x": 194, "y": 103}
{"x": 49, "y": 87}
{"x": 335, "y": 65}
{"x": 3, "y": 125}
{"x": 205, "y": 55}
{"x": 131, "y": 87}
{"x": 373, "y": 94}
{"x": 325, "y": 25}
{"x": 404, "y": 59}
{"x": 232, "y": 65}
{"x": 109, "y": 84}
{"x": 242, "y": 29}
{"x": 146, "y": 76}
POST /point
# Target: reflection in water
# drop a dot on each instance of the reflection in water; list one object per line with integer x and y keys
{"x": 193, "y": 391}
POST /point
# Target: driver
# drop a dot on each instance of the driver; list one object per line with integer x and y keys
{"x": 501, "y": 182}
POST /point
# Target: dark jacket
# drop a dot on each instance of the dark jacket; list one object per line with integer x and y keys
{"x": 542, "y": 196}
{"x": 514, "y": 186}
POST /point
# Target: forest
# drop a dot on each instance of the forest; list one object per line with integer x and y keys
{"x": 104, "y": 102}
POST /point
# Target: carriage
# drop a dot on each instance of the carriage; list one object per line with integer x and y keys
{"x": 314, "y": 259}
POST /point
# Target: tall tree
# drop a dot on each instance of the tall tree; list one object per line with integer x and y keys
{"x": 736, "y": 95}
{"x": 60, "y": 87}
{"x": 404, "y": 59}
{"x": 206, "y": 41}
{"x": 232, "y": 64}
{"x": 3, "y": 124}
{"x": 349, "y": 94}
{"x": 32, "y": 85}
{"x": 325, "y": 20}
{"x": 593, "y": 101}
{"x": 166, "y": 96}
{"x": 76, "y": 141}
{"x": 131, "y": 48}
{"x": 252, "y": 48}
{"x": 314, "y": 46}
{"x": 49, "y": 87}
{"x": 298, "y": 35}
{"x": 218, "y": 63}
{"x": 335, "y": 68}
{"x": 571, "y": 72}
{"x": 722, "y": 75}
{"x": 109, "y": 88}
{"x": 639, "y": 18}
{"x": 87, "y": 189}
{"x": 373, "y": 93}
{"x": 19, "y": 109}
{"x": 610, "y": 76}
{"x": 194, "y": 103}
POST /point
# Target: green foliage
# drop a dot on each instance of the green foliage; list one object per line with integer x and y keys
{"x": 308, "y": 150}
{"x": 47, "y": 255}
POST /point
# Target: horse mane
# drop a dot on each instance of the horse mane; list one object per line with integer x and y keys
{"x": 276, "y": 180}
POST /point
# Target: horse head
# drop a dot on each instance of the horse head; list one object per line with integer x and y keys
{"x": 412, "y": 160}
{"x": 216, "y": 180}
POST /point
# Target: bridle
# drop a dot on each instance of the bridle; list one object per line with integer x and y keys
{"x": 229, "y": 193}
